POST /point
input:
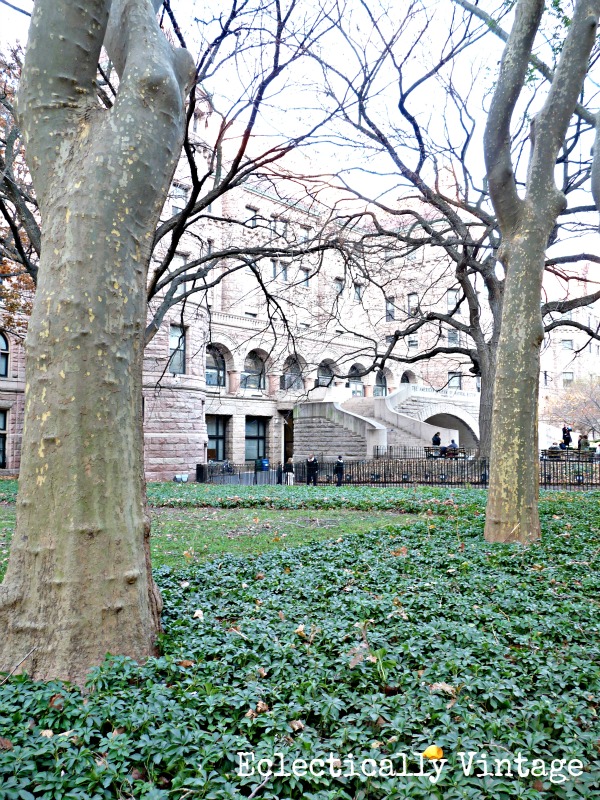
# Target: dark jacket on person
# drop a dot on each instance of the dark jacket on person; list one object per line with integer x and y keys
{"x": 436, "y": 440}
{"x": 288, "y": 467}
{"x": 338, "y": 468}
{"x": 312, "y": 467}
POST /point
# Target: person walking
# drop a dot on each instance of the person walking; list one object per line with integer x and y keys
{"x": 288, "y": 472}
{"x": 338, "y": 470}
{"x": 312, "y": 470}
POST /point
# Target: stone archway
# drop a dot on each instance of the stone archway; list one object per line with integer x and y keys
{"x": 450, "y": 415}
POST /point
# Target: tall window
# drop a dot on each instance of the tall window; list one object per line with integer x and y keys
{"x": 304, "y": 233}
{"x": 358, "y": 292}
{"x": 179, "y": 198}
{"x": 412, "y": 303}
{"x": 453, "y": 337}
{"x": 338, "y": 285}
{"x": 177, "y": 350}
{"x": 455, "y": 380}
{"x": 3, "y": 356}
{"x": 380, "y": 388}
{"x": 304, "y": 277}
{"x": 390, "y": 309}
{"x": 324, "y": 375}
{"x": 413, "y": 342}
{"x": 567, "y": 378}
{"x": 356, "y": 384}
{"x": 292, "y": 375}
{"x": 256, "y": 438}
{"x": 179, "y": 260}
{"x": 452, "y": 299}
{"x": 253, "y": 216}
{"x": 279, "y": 226}
{"x": 3, "y": 439}
{"x": 215, "y": 367}
{"x": 217, "y": 430}
{"x": 253, "y": 376}
{"x": 280, "y": 270}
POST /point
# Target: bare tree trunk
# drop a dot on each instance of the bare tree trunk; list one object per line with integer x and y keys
{"x": 512, "y": 513}
{"x": 487, "y": 369}
{"x": 78, "y": 583}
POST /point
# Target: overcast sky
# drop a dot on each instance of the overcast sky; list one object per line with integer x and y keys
{"x": 13, "y": 24}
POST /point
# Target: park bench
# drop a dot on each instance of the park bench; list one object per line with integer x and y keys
{"x": 568, "y": 455}
{"x": 455, "y": 452}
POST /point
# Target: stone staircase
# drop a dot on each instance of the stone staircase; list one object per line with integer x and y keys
{"x": 366, "y": 407}
{"x": 330, "y": 430}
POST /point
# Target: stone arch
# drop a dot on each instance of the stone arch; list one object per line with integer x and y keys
{"x": 381, "y": 382}
{"x": 408, "y": 376}
{"x": 293, "y": 371}
{"x": 224, "y": 351}
{"x": 447, "y": 415}
{"x": 254, "y": 376}
{"x": 324, "y": 367}
{"x": 232, "y": 351}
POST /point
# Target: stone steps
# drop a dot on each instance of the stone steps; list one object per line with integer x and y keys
{"x": 396, "y": 437}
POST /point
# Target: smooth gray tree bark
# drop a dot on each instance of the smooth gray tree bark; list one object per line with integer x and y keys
{"x": 526, "y": 224}
{"x": 79, "y": 583}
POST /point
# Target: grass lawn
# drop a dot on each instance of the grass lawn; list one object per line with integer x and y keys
{"x": 393, "y": 629}
{"x": 180, "y": 535}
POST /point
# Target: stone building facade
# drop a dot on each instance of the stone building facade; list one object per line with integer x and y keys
{"x": 278, "y": 358}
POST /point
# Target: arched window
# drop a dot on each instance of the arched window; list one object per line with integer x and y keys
{"x": 292, "y": 375}
{"x": 215, "y": 367}
{"x": 253, "y": 376}
{"x": 325, "y": 375}
{"x": 380, "y": 389}
{"x": 3, "y": 356}
{"x": 355, "y": 379}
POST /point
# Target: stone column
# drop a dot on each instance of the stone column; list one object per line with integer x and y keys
{"x": 236, "y": 440}
{"x": 234, "y": 381}
{"x": 272, "y": 384}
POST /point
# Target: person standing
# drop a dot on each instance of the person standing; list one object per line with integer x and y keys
{"x": 288, "y": 472}
{"x": 312, "y": 470}
{"x": 436, "y": 439}
{"x": 566, "y": 435}
{"x": 338, "y": 470}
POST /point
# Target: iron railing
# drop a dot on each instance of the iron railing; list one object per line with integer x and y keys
{"x": 554, "y": 474}
{"x": 404, "y": 451}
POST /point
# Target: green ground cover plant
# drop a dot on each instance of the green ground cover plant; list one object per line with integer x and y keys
{"x": 413, "y": 634}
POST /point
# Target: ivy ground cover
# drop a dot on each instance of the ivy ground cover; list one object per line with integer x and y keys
{"x": 416, "y": 637}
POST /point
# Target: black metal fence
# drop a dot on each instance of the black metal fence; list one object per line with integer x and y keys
{"x": 554, "y": 474}
{"x": 402, "y": 451}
